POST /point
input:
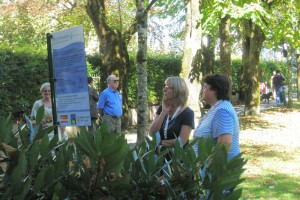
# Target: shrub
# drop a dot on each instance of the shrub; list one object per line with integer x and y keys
{"x": 101, "y": 166}
{"x": 22, "y": 72}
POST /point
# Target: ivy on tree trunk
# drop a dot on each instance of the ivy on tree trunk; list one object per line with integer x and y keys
{"x": 253, "y": 38}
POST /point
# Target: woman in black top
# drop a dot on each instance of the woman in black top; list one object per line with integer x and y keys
{"x": 173, "y": 118}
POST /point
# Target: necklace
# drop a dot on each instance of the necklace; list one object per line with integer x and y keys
{"x": 168, "y": 119}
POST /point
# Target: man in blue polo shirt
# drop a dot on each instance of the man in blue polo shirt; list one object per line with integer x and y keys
{"x": 110, "y": 105}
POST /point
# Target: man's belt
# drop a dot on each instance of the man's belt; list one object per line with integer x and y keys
{"x": 114, "y": 117}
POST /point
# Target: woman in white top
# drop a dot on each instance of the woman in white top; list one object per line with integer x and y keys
{"x": 47, "y": 120}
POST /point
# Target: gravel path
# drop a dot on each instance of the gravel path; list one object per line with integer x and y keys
{"x": 282, "y": 129}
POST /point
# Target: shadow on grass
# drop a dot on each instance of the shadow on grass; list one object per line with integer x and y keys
{"x": 276, "y": 177}
{"x": 267, "y": 151}
{"x": 256, "y": 121}
{"x": 271, "y": 186}
{"x": 248, "y": 122}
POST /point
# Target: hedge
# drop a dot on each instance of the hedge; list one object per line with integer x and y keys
{"x": 24, "y": 70}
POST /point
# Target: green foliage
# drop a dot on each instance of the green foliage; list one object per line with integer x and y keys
{"x": 100, "y": 165}
{"x": 159, "y": 67}
{"x": 266, "y": 67}
{"x": 23, "y": 71}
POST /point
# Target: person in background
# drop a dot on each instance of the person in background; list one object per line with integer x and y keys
{"x": 110, "y": 105}
{"x": 93, "y": 97}
{"x": 279, "y": 88}
{"x": 272, "y": 85}
{"x": 47, "y": 120}
{"x": 174, "y": 118}
{"x": 220, "y": 122}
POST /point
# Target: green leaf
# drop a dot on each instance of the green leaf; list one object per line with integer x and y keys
{"x": 40, "y": 115}
{"x": 44, "y": 146}
{"x": 5, "y": 130}
{"x": 40, "y": 180}
{"x": 26, "y": 187}
{"x": 60, "y": 192}
{"x": 86, "y": 144}
{"x": 55, "y": 197}
{"x": 8, "y": 192}
{"x": 20, "y": 170}
{"x": 98, "y": 140}
{"x": 43, "y": 132}
{"x": 114, "y": 161}
{"x": 53, "y": 142}
{"x": 33, "y": 155}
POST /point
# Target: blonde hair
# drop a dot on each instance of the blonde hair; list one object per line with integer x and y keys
{"x": 44, "y": 86}
{"x": 181, "y": 91}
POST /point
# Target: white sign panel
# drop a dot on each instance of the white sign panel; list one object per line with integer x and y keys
{"x": 70, "y": 73}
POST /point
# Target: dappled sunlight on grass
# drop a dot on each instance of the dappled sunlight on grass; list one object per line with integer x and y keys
{"x": 260, "y": 122}
{"x": 272, "y": 172}
{"x": 248, "y": 122}
{"x": 271, "y": 186}
{"x": 266, "y": 151}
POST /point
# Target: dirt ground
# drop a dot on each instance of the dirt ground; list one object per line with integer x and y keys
{"x": 282, "y": 128}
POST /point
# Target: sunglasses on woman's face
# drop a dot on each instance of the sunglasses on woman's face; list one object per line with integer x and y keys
{"x": 115, "y": 81}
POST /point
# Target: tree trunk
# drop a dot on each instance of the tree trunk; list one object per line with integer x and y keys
{"x": 192, "y": 52}
{"x": 298, "y": 75}
{"x": 253, "y": 38}
{"x": 225, "y": 50}
{"x": 142, "y": 118}
{"x": 289, "y": 79}
{"x": 113, "y": 50}
{"x": 208, "y": 53}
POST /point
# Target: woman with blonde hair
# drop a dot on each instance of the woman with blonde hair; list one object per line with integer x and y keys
{"x": 47, "y": 120}
{"x": 174, "y": 118}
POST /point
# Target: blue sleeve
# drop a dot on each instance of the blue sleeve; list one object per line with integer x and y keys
{"x": 102, "y": 100}
{"x": 222, "y": 123}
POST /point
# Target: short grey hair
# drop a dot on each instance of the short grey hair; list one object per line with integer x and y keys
{"x": 109, "y": 78}
{"x": 44, "y": 86}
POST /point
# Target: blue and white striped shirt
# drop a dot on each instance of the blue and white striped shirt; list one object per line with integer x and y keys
{"x": 220, "y": 119}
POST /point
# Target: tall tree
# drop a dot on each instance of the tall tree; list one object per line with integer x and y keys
{"x": 142, "y": 111}
{"x": 298, "y": 75}
{"x": 257, "y": 24}
{"x": 225, "y": 49}
{"x": 285, "y": 29}
{"x": 253, "y": 38}
{"x": 113, "y": 48}
{"x": 192, "y": 51}
{"x": 208, "y": 54}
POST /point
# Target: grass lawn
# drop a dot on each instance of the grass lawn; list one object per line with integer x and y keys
{"x": 271, "y": 143}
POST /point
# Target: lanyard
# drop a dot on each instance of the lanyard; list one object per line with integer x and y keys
{"x": 167, "y": 121}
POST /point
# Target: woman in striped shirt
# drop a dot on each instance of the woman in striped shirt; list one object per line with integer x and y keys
{"x": 220, "y": 122}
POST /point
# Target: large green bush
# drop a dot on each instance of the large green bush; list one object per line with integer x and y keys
{"x": 22, "y": 72}
{"x": 101, "y": 166}
{"x": 159, "y": 67}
